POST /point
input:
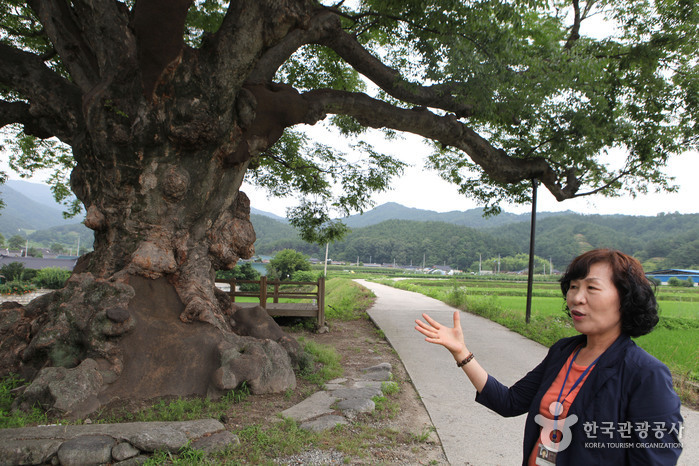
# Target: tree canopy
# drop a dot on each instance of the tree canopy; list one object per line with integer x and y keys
{"x": 506, "y": 91}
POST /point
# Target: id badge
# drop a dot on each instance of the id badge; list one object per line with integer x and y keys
{"x": 545, "y": 457}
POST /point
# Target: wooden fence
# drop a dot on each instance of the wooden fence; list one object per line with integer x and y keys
{"x": 271, "y": 292}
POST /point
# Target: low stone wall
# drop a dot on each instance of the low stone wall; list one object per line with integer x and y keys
{"x": 123, "y": 444}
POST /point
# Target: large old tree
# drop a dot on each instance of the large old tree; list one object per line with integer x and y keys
{"x": 166, "y": 105}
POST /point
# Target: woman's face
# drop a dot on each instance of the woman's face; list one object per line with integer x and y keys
{"x": 594, "y": 303}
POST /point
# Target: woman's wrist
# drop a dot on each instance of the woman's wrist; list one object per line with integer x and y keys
{"x": 461, "y": 354}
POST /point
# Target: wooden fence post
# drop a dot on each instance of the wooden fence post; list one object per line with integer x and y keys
{"x": 276, "y": 291}
{"x": 263, "y": 291}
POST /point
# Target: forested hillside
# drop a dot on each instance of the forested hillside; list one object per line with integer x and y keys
{"x": 669, "y": 240}
{"x": 408, "y": 242}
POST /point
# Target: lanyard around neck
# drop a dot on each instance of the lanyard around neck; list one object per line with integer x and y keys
{"x": 577, "y": 382}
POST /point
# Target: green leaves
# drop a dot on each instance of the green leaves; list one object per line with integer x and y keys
{"x": 325, "y": 180}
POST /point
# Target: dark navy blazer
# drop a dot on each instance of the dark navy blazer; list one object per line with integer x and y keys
{"x": 626, "y": 385}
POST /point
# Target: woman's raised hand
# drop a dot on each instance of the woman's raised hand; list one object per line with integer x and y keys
{"x": 452, "y": 338}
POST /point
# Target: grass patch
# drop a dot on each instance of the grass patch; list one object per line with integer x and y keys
{"x": 346, "y": 299}
{"x": 186, "y": 456}
{"x": 260, "y": 444}
{"x": 179, "y": 409}
{"x": 322, "y": 363}
{"x": 9, "y": 390}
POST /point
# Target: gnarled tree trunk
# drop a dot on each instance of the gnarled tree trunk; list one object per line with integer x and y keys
{"x": 162, "y": 143}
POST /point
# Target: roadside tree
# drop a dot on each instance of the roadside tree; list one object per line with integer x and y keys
{"x": 58, "y": 248}
{"x": 159, "y": 108}
{"x": 286, "y": 262}
{"x": 16, "y": 242}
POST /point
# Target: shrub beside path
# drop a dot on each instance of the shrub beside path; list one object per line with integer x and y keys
{"x": 471, "y": 433}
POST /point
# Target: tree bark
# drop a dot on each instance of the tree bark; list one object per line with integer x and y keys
{"x": 161, "y": 149}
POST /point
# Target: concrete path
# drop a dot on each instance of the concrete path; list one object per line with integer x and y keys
{"x": 470, "y": 433}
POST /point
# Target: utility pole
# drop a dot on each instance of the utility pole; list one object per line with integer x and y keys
{"x": 325, "y": 268}
{"x": 530, "y": 278}
{"x": 480, "y": 263}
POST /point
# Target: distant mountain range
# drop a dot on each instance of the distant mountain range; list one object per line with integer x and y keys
{"x": 29, "y": 206}
{"x": 394, "y": 231}
{"x": 471, "y": 218}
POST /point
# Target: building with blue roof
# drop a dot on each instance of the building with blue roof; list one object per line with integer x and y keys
{"x": 666, "y": 274}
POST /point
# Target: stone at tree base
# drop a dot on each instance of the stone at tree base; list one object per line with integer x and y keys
{"x": 159, "y": 438}
{"x": 28, "y": 451}
{"x": 215, "y": 443}
{"x": 71, "y": 391}
{"x": 118, "y": 314}
{"x": 256, "y": 322}
{"x": 125, "y": 338}
{"x": 86, "y": 450}
{"x": 124, "y": 451}
{"x": 265, "y": 365}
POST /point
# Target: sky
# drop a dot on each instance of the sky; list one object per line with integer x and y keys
{"x": 424, "y": 189}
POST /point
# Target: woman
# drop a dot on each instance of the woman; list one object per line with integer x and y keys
{"x": 596, "y": 398}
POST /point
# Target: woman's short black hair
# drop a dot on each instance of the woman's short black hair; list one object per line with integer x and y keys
{"x": 639, "y": 308}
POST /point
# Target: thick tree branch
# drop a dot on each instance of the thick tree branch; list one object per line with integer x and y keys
{"x": 251, "y": 27}
{"x": 20, "y": 113}
{"x": 320, "y": 25}
{"x": 91, "y": 36}
{"x": 159, "y": 27}
{"x": 52, "y": 99}
{"x": 324, "y": 28}
{"x": 60, "y": 24}
{"x": 445, "y": 129}
{"x": 390, "y": 80}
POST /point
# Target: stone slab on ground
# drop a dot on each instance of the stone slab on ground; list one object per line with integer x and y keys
{"x": 314, "y": 406}
{"x": 324, "y": 423}
{"x": 341, "y": 400}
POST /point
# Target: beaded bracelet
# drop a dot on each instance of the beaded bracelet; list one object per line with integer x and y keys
{"x": 465, "y": 361}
